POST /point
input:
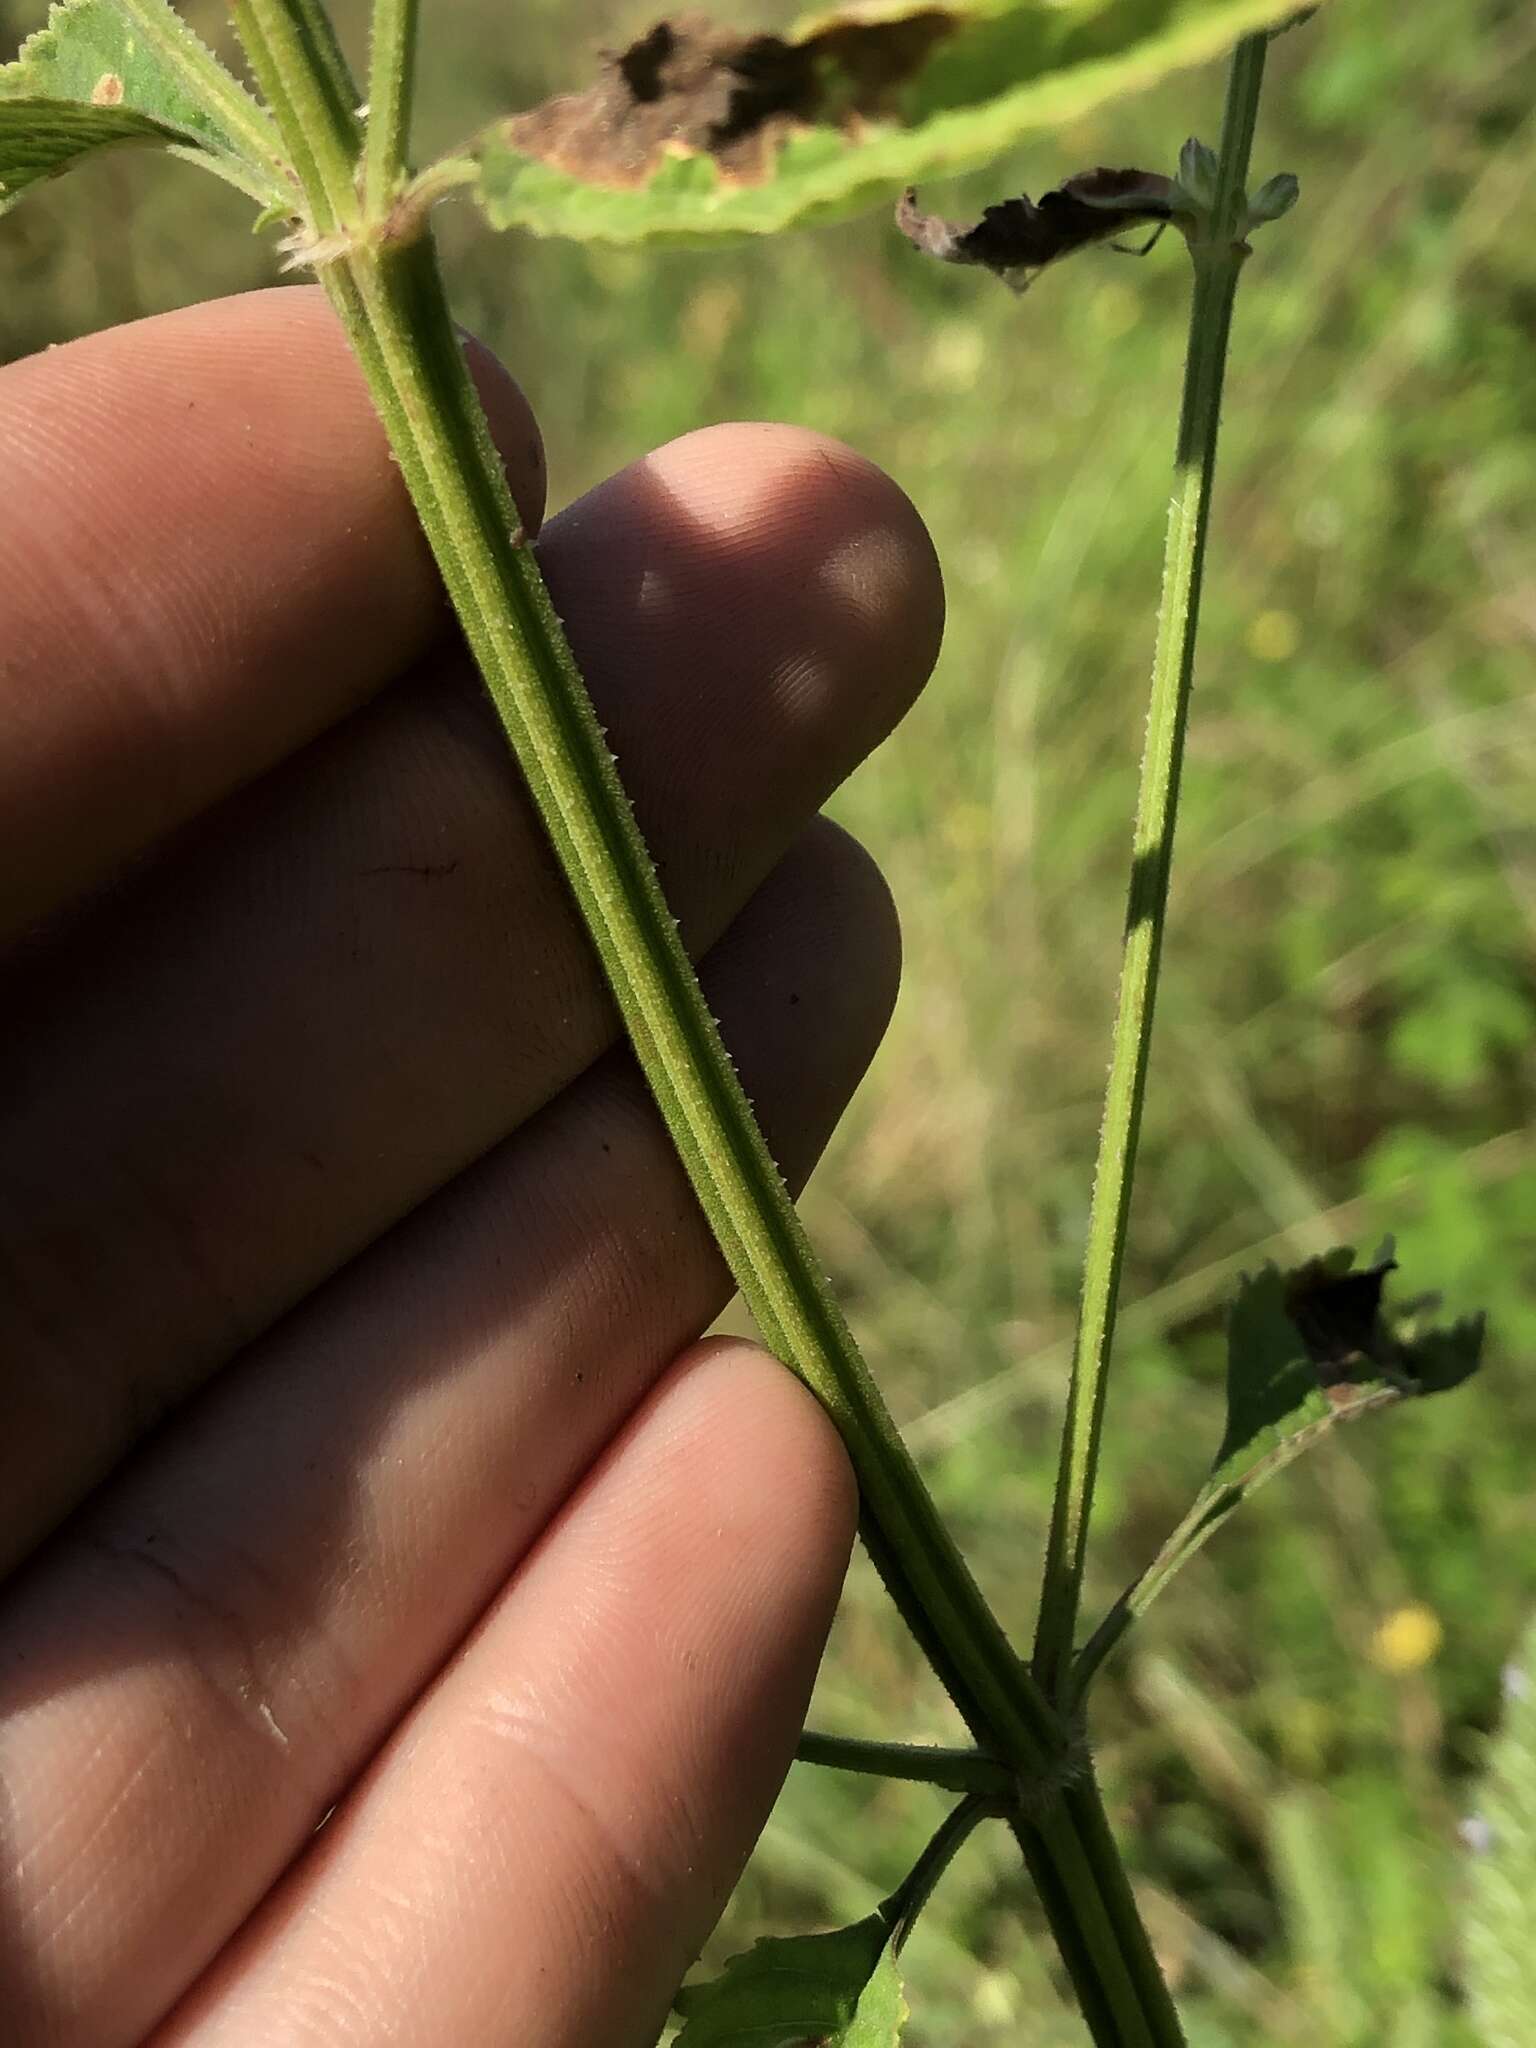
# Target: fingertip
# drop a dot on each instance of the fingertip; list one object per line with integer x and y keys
{"x": 762, "y": 1452}
{"x": 594, "y": 1765}
{"x": 784, "y": 585}
{"x": 851, "y": 545}
{"x": 808, "y": 979}
{"x": 295, "y": 334}
{"x": 860, "y": 902}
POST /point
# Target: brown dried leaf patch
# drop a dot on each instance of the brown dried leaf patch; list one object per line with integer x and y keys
{"x": 691, "y": 88}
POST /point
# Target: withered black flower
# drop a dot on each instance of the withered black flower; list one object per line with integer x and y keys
{"x": 1017, "y": 238}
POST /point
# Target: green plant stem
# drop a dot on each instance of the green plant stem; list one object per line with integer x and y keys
{"x": 331, "y": 64}
{"x": 391, "y": 90}
{"x": 1218, "y": 250}
{"x": 1075, "y": 1863}
{"x": 1084, "y": 1805}
{"x": 1077, "y": 1956}
{"x": 956, "y": 1770}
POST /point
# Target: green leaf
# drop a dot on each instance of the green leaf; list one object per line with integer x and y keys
{"x": 1307, "y": 1350}
{"x": 696, "y": 132}
{"x": 39, "y": 139}
{"x": 1499, "y": 1942}
{"x": 1271, "y": 1381}
{"x": 839, "y": 1990}
{"x": 104, "y": 73}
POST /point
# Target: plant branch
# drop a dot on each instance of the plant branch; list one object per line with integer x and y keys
{"x": 900, "y": 1911}
{"x": 319, "y": 130}
{"x": 1218, "y": 249}
{"x": 331, "y": 63}
{"x": 391, "y": 89}
{"x": 956, "y": 1770}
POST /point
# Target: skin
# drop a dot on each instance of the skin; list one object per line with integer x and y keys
{"x": 362, "y": 1463}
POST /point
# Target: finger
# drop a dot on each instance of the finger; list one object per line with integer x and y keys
{"x": 210, "y": 1653}
{"x": 207, "y": 556}
{"x": 367, "y": 970}
{"x": 539, "y": 1853}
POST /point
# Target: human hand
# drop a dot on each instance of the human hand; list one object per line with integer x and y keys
{"x": 359, "y": 1458}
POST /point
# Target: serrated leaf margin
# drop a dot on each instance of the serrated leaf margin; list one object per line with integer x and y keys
{"x": 170, "y": 90}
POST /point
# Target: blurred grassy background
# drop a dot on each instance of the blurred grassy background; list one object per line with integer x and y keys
{"x": 1349, "y": 1001}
